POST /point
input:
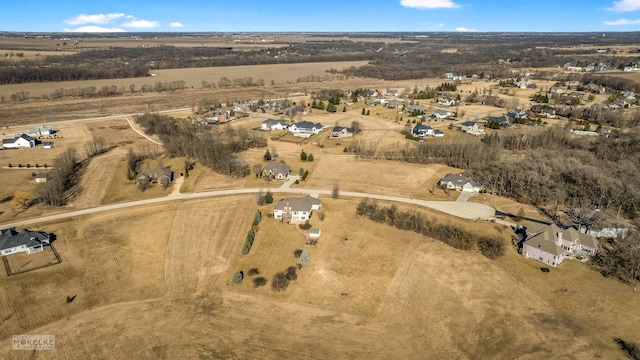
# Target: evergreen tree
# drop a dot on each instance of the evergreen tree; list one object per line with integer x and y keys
{"x": 268, "y": 198}
{"x": 303, "y": 156}
{"x": 267, "y": 155}
{"x": 363, "y": 111}
{"x": 344, "y": 108}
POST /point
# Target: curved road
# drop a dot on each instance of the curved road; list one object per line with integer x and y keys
{"x": 463, "y": 210}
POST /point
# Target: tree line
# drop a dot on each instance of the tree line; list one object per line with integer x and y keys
{"x": 215, "y": 149}
{"x": 416, "y": 221}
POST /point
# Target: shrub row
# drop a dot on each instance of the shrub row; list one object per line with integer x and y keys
{"x": 251, "y": 235}
{"x": 28, "y": 165}
{"x": 451, "y": 235}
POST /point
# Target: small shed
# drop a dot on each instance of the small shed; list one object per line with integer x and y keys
{"x": 314, "y": 233}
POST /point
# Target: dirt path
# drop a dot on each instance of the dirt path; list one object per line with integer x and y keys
{"x": 177, "y": 184}
{"x": 94, "y": 187}
{"x": 142, "y": 134}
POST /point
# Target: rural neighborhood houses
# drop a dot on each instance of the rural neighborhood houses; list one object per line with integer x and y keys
{"x": 23, "y": 140}
{"x": 276, "y": 170}
{"x": 296, "y": 209}
{"x": 13, "y": 242}
{"x": 305, "y": 129}
{"x": 447, "y": 101}
{"x": 273, "y": 124}
{"x": 551, "y": 244}
{"x": 441, "y": 114}
{"x": 459, "y": 182}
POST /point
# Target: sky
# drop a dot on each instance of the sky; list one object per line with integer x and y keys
{"x": 322, "y": 16}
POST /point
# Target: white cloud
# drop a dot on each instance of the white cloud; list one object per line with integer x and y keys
{"x": 626, "y": 5}
{"x": 176, "y": 24}
{"x": 94, "y": 19}
{"x": 622, "y": 22}
{"x": 464, "y": 29}
{"x": 429, "y": 4}
{"x": 94, "y": 29}
{"x": 141, "y": 24}
{"x": 440, "y": 25}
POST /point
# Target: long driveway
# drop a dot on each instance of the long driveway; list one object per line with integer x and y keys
{"x": 463, "y": 210}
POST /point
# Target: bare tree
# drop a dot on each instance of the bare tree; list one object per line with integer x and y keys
{"x": 335, "y": 191}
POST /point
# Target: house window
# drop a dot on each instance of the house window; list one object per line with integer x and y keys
{"x": 540, "y": 259}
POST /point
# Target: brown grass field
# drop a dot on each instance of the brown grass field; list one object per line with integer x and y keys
{"x": 279, "y": 73}
{"x": 149, "y": 285}
{"x": 154, "y": 282}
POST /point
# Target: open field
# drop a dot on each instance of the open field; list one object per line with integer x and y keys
{"x": 279, "y": 73}
{"x": 139, "y": 272}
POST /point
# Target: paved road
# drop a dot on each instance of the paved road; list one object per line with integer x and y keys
{"x": 466, "y": 211}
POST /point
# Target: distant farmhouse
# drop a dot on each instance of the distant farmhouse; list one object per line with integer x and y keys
{"x": 459, "y": 182}
{"x": 469, "y": 127}
{"x": 23, "y": 140}
{"x": 551, "y": 244}
{"x": 273, "y": 124}
{"x": 305, "y": 129}
{"x": 296, "y": 209}
{"x": 13, "y": 242}
{"x": 276, "y": 170}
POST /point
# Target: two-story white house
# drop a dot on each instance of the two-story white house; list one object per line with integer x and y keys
{"x": 296, "y": 209}
{"x": 421, "y": 130}
{"x": 273, "y": 124}
{"x": 23, "y": 140}
{"x": 305, "y": 128}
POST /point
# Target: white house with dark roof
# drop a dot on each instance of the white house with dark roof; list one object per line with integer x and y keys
{"x": 296, "y": 209}
{"x": 438, "y": 133}
{"x": 305, "y": 129}
{"x": 13, "y": 242}
{"x": 459, "y": 182}
{"x": 551, "y": 244}
{"x": 421, "y": 130}
{"x": 273, "y": 124}
{"x": 23, "y": 140}
{"x": 276, "y": 170}
{"x": 469, "y": 127}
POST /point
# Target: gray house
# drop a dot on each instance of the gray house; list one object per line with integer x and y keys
{"x": 550, "y": 244}
{"x": 469, "y": 127}
{"x": 276, "y": 170}
{"x": 341, "y": 132}
{"x": 160, "y": 175}
{"x": 459, "y": 182}
{"x": 13, "y": 242}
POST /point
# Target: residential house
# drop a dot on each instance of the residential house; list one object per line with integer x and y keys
{"x": 40, "y": 130}
{"x": 296, "y": 209}
{"x": 469, "y": 127}
{"x": 381, "y": 101}
{"x": 556, "y": 90}
{"x": 395, "y": 103}
{"x": 441, "y": 114}
{"x": 369, "y": 93}
{"x": 438, "y": 133}
{"x": 447, "y": 101}
{"x": 273, "y": 124}
{"x": 516, "y": 114}
{"x": 502, "y": 121}
{"x": 525, "y": 85}
{"x": 219, "y": 116}
{"x": 276, "y": 170}
{"x": 550, "y": 244}
{"x": 548, "y": 113}
{"x": 13, "y": 242}
{"x": 419, "y": 108}
{"x": 459, "y": 182}
{"x": 392, "y": 92}
{"x": 421, "y": 130}
{"x": 341, "y": 132}
{"x": 160, "y": 175}
{"x": 23, "y": 140}
{"x": 305, "y": 129}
